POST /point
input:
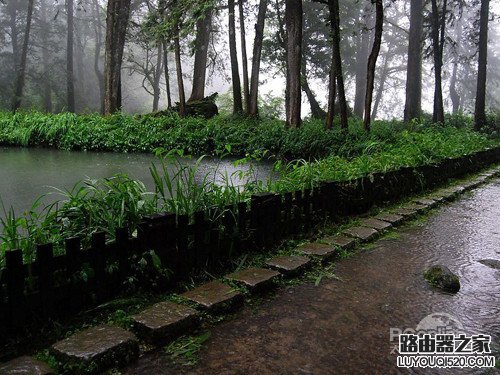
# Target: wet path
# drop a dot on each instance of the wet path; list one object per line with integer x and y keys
{"x": 342, "y": 326}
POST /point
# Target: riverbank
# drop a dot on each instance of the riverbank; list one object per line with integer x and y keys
{"x": 221, "y": 135}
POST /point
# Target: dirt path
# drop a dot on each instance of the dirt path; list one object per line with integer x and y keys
{"x": 342, "y": 326}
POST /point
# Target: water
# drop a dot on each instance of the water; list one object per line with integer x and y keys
{"x": 26, "y": 174}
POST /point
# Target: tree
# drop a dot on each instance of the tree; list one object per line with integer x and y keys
{"x": 235, "y": 74}
{"x": 44, "y": 35}
{"x": 480, "y": 110}
{"x": 118, "y": 13}
{"x": 293, "y": 20}
{"x": 70, "y": 81}
{"x": 363, "y": 41}
{"x": 21, "y": 73}
{"x": 253, "y": 108}
{"x": 97, "y": 51}
{"x": 333, "y": 6}
{"x": 413, "y": 104}
{"x": 372, "y": 61}
{"x": 246, "y": 84}
{"x": 178, "y": 65}
{"x": 438, "y": 39}
{"x": 203, "y": 31}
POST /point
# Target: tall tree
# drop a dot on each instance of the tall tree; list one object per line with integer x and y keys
{"x": 70, "y": 80}
{"x": 44, "y": 34}
{"x": 21, "y": 72}
{"x": 157, "y": 77}
{"x": 333, "y": 6}
{"x": 293, "y": 21}
{"x": 480, "y": 112}
{"x": 118, "y": 13}
{"x": 97, "y": 51}
{"x": 363, "y": 44}
{"x": 438, "y": 39}
{"x": 253, "y": 108}
{"x": 244, "y": 58}
{"x": 454, "y": 95}
{"x": 167, "y": 75}
{"x": 235, "y": 74}
{"x": 372, "y": 61}
{"x": 178, "y": 65}
{"x": 413, "y": 105}
{"x": 202, "y": 41}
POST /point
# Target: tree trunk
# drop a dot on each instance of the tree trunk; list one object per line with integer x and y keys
{"x": 454, "y": 96}
{"x": 361, "y": 57}
{"x": 203, "y": 30}
{"x": 46, "y": 85}
{"x": 413, "y": 105}
{"x": 372, "y": 61}
{"x": 178, "y": 65}
{"x": 21, "y": 73}
{"x": 253, "y": 109}
{"x": 97, "y": 53}
{"x": 235, "y": 74}
{"x": 316, "y": 111}
{"x": 157, "y": 77}
{"x": 380, "y": 90}
{"x": 70, "y": 79}
{"x": 332, "y": 93}
{"x": 244, "y": 58}
{"x": 438, "y": 41}
{"x": 335, "y": 21}
{"x": 167, "y": 75}
{"x": 12, "y": 9}
{"x": 293, "y": 21}
{"x": 480, "y": 112}
{"x": 116, "y": 28}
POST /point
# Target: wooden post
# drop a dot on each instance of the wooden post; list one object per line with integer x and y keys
{"x": 99, "y": 256}
{"x": 45, "y": 263}
{"x": 15, "y": 287}
{"x": 73, "y": 266}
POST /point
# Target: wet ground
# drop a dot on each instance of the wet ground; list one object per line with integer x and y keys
{"x": 342, "y": 326}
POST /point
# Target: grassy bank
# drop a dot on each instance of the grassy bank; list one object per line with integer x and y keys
{"x": 107, "y": 204}
{"x": 195, "y": 136}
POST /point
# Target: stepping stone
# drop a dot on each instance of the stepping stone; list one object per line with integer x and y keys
{"x": 164, "y": 321}
{"x": 406, "y": 213}
{"x": 25, "y": 366}
{"x": 375, "y": 224}
{"x": 254, "y": 278}
{"x": 341, "y": 242}
{"x": 437, "y": 198}
{"x": 215, "y": 296}
{"x": 492, "y": 263}
{"x": 415, "y": 207}
{"x": 289, "y": 265}
{"x": 446, "y": 194}
{"x": 102, "y": 346}
{"x": 390, "y": 218}
{"x": 426, "y": 202}
{"x": 323, "y": 251}
{"x": 361, "y": 233}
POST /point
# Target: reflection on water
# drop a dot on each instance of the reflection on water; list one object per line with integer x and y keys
{"x": 25, "y": 174}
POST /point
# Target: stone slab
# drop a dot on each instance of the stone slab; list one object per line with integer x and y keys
{"x": 415, "y": 207}
{"x": 164, "y": 321}
{"x": 25, "y": 365}
{"x": 406, "y": 213}
{"x": 361, "y": 233}
{"x": 394, "y": 219}
{"x": 215, "y": 296}
{"x": 342, "y": 242}
{"x": 426, "y": 202}
{"x": 379, "y": 225}
{"x": 254, "y": 278}
{"x": 438, "y": 198}
{"x": 289, "y": 265}
{"x": 103, "y": 346}
{"x": 321, "y": 250}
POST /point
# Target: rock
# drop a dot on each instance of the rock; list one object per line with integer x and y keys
{"x": 416, "y": 207}
{"x": 342, "y": 242}
{"x": 289, "y": 265}
{"x": 492, "y": 263}
{"x": 390, "y": 218}
{"x": 25, "y": 366}
{"x": 254, "y": 278}
{"x": 426, "y": 202}
{"x": 201, "y": 108}
{"x": 361, "y": 233}
{"x": 164, "y": 321}
{"x": 321, "y": 250}
{"x": 406, "y": 213}
{"x": 98, "y": 348}
{"x": 215, "y": 296}
{"x": 441, "y": 277}
{"x": 375, "y": 224}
